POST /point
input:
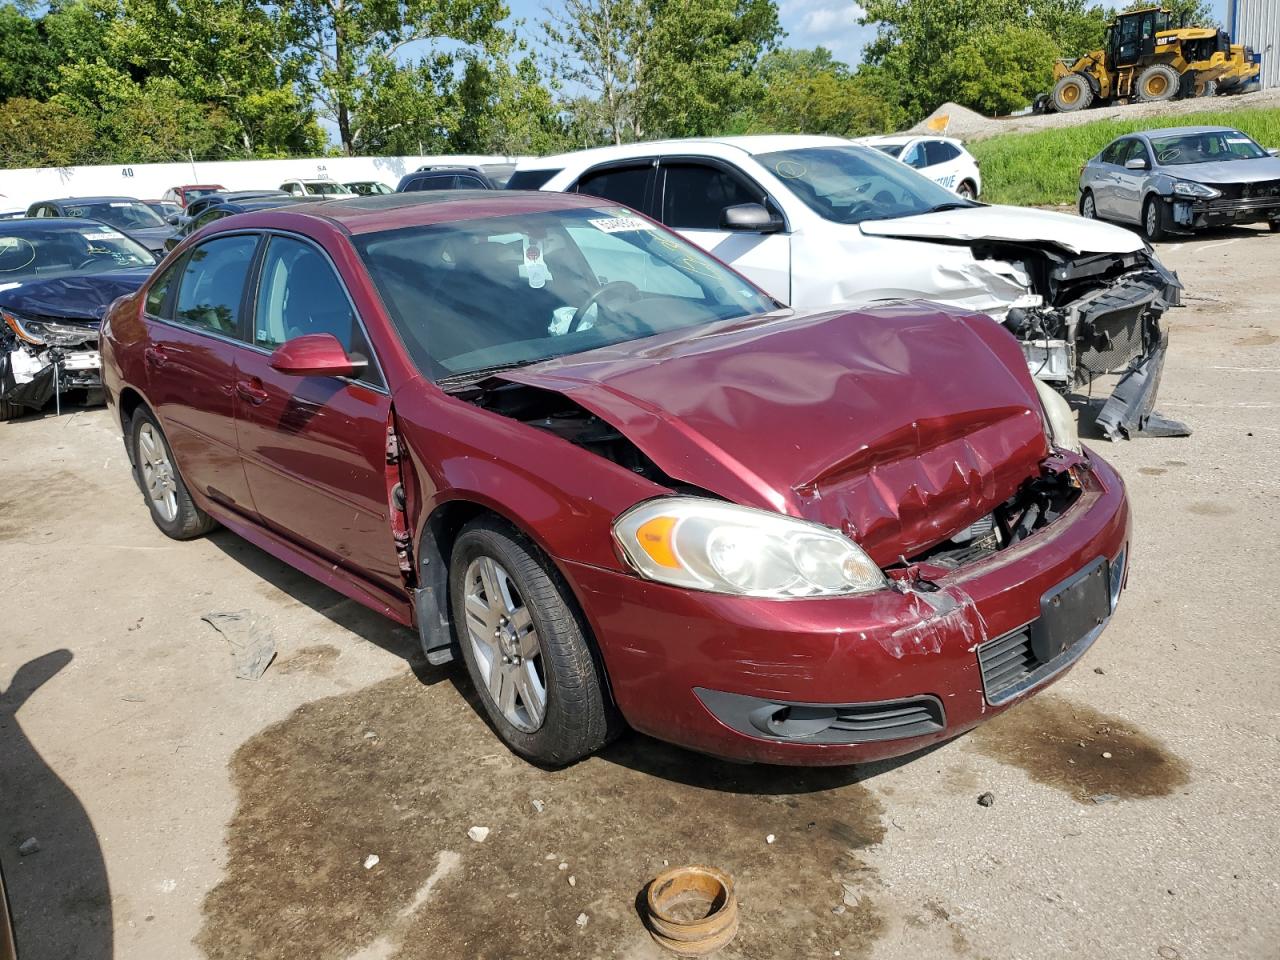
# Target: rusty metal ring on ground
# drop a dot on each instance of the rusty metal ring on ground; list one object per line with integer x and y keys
{"x": 692, "y": 911}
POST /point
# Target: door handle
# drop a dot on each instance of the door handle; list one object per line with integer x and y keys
{"x": 251, "y": 391}
{"x": 155, "y": 356}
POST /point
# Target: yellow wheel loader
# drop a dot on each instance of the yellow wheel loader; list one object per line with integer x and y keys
{"x": 1146, "y": 57}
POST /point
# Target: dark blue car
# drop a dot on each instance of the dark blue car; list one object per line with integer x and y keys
{"x": 125, "y": 214}
{"x": 57, "y": 278}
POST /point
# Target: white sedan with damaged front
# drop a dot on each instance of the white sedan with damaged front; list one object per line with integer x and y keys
{"x": 818, "y": 221}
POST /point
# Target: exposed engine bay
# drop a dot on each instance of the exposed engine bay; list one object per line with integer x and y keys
{"x": 1092, "y": 315}
{"x": 40, "y": 360}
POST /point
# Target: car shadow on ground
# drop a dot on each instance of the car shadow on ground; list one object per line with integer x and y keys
{"x": 340, "y": 610}
{"x": 631, "y": 750}
{"x": 60, "y": 893}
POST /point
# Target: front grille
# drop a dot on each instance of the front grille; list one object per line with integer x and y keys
{"x": 1260, "y": 190}
{"x": 1006, "y": 661}
{"x": 1113, "y": 329}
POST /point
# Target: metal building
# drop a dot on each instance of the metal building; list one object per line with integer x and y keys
{"x": 1256, "y": 23}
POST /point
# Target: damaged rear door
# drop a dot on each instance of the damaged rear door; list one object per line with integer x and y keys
{"x": 315, "y": 447}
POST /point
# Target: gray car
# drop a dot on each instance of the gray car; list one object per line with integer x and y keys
{"x": 1182, "y": 179}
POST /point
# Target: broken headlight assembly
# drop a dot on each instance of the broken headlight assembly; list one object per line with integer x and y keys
{"x": 705, "y": 544}
{"x": 44, "y": 333}
{"x": 1061, "y": 422}
{"x": 1197, "y": 191}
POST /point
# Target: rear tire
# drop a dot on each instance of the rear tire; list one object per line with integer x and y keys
{"x": 1274, "y": 226}
{"x": 967, "y": 190}
{"x": 1157, "y": 83}
{"x": 156, "y": 471}
{"x": 1072, "y": 92}
{"x": 1088, "y": 206}
{"x": 524, "y": 642}
{"x": 10, "y": 410}
{"x": 1153, "y": 219}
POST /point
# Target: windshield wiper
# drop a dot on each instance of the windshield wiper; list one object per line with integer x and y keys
{"x": 957, "y": 205}
{"x": 480, "y": 373}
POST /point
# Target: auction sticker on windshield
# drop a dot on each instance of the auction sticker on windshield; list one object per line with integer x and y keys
{"x": 620, "y": 224}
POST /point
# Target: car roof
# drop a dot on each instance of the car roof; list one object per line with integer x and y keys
{"x": 91, "y": 200}
{"x": 390, "y": 211}
{"x": 57, "y": 223}
{"x": 247, "y": 204}
{"x": 198, "y": 186}
{"x": 750, "y": 144}
{"x": 1175, "y": 131}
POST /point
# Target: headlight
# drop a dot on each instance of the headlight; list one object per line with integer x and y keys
{"x": 1186, "y": 188}
{"x": 1057, "y": 414}
{"x": 42, "y": 333}
{"x": 704, "y": 544}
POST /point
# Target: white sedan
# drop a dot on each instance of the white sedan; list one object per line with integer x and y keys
{"x": 943, "y": 160}
{"x": 817, "y": 221}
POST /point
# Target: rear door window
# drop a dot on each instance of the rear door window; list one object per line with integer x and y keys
{"x": 212, "y": 284}
{"x": 629, "y": 185}
{"x": 938, "y": 151}
{"x": 530, "y": 179}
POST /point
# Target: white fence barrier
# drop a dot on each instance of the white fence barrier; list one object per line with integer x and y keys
{"x": 148, "y": 181}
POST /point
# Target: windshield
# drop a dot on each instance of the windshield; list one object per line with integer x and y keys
{"x": 1205, "y": 148}
{"x": 195, "y": 193}
{"x": 121, "y": 214}
{"x": 852, "y": 184}
{"x": 892, "y": 149}
{"x": 325, "y": 189}
{"x": 57, "y": 251}
{"x": 501, "y": 292}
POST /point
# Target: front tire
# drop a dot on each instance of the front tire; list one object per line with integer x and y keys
{"x": 1088, "y": 206}
{"x": 1153, "y": 225}
{"x": 1072, "y": 92}
{"x": 1157, "y": 83}
{"x": 525, "y": 647}
{"x": 156, "y": 471}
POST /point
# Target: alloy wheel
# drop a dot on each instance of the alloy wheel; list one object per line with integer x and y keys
{"x": 158, "y": 477}
{"x": 1087, "y": 208}
{"x": 505, "y": 643}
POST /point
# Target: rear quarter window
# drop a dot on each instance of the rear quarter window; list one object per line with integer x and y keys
{"x": 530, "y": 179}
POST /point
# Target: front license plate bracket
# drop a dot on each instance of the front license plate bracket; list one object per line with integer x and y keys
{"x": 1070, "y": 610}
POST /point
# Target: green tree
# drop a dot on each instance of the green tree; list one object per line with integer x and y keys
{"x": 701, "y": 59}
{"x": 999, "y": 69}
{"x": 350, "y": 47}
{"x": 916, "y": 42}
{"x": 809, "y": 91}
{"x": 1198, "y": 13}
{"x": 598, "y": 46}
{"x": 35, "y": 134}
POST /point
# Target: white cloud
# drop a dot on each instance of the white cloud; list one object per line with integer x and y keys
{"x": 829, "y": 23}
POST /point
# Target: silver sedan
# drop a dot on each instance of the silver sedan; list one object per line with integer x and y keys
{"x": 1182, "y": 179}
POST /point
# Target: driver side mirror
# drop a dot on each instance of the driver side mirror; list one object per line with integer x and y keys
{"x": 1137, "y": 163}
{"x": 315, "y": 355}
{"x": 1274, "y": 151}
{"x": 751, "y": 217}
{"x": 173, "y": 219}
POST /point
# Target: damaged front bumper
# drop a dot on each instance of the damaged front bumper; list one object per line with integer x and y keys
{"x": 33, "y": 375}
{"x": 1262, "y": 206}
{"x": 850, "y": 680}
{"x": 1106, "y": 318}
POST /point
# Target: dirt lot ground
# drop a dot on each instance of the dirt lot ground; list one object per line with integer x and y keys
{"x": 182, "y": 813}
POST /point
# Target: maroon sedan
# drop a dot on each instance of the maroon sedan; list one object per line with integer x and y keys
{"x": 618, "y": 480}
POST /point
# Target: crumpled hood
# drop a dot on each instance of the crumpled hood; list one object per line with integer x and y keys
{"x": 1013, "y": 224}
{"x": 82, "y": 298}
{"x": 1227, "y": 171}
{"x": 899, "y": 425}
